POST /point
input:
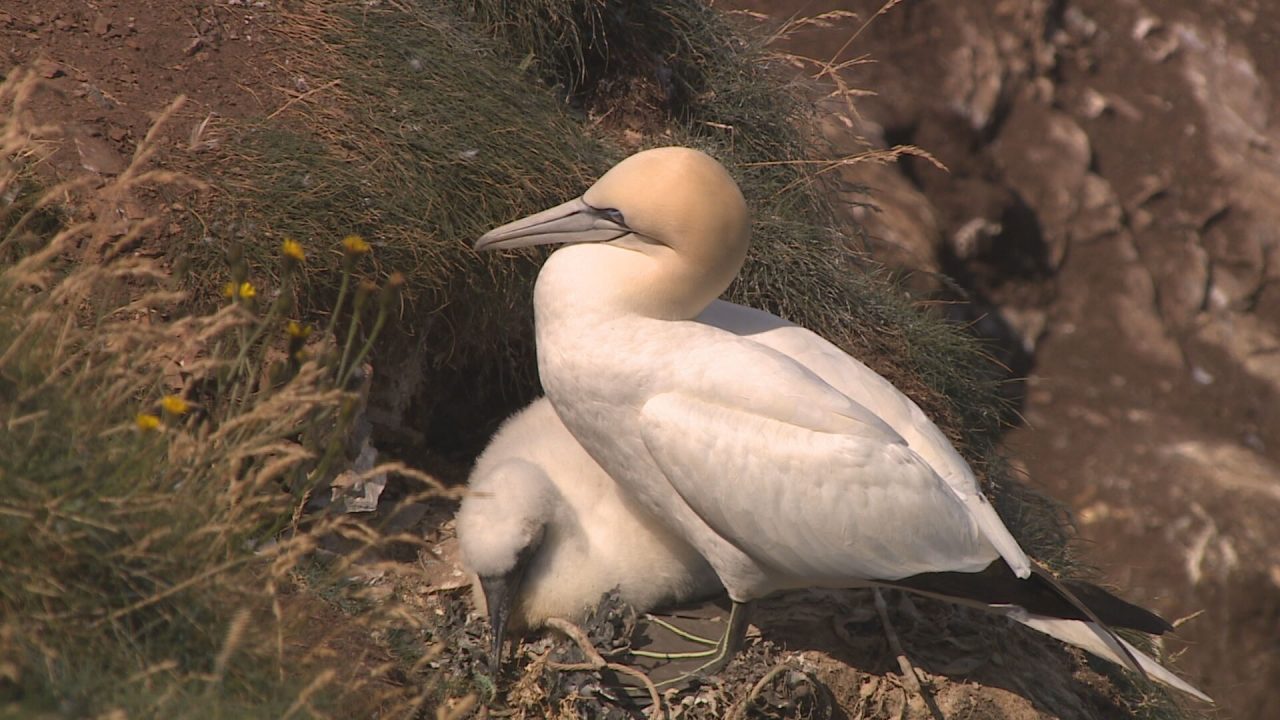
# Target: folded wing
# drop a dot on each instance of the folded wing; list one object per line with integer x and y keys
{"x": 823, "y": 508}
{"x": 864, "y": 386}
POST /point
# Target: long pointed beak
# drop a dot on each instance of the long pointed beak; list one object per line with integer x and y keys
{"x": 497, "y": 595}
{"x": 571, "y": 222}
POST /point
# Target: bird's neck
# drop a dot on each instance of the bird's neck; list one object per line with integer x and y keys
{"x": 591, "y": 282}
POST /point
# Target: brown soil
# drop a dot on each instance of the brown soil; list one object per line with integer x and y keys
{"x": 111, "y": 67}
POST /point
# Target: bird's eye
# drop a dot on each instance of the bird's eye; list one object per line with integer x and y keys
{"x": 613, "y": 215}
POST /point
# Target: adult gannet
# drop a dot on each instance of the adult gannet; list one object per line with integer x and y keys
{"x": 784, "y": 468}
{"x": 546, "y": 533}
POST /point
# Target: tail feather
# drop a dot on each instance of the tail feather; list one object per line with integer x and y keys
{"x": 1087, "y": 636}
{"x": 1041, "y": 594}
{"x": 1077, "y": 613}
{"x": 1100, "y": 630}
{"x": 1044, "y": 595}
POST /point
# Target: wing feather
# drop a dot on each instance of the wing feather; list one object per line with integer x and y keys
{"x": 1095, "y": 639}
{"x": 823, "y": 508}
{"x": 879, "y": 397}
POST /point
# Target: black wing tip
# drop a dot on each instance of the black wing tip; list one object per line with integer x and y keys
{"x": 1116, "y": 611}
{"x": 1042, "y": 594}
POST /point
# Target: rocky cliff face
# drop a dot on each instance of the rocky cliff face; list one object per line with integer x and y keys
{"x": 1111, "y": 214}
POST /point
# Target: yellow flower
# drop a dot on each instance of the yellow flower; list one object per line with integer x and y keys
{"x": 355, "y": 245}
{"x": 293, "y": 249}
{"x": 174, "y": 404}
{"x": 244, "y": 291}
{"x": 147, "y": 422}
{"x": 297, "y": 330}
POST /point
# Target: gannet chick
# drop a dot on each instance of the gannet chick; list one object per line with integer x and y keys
{"x": 784, "y": 467}
{"x": 546, "y": 533}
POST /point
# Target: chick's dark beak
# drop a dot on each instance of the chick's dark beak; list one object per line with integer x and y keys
{"x": 498, "y": 595}
{"x": 502, "y": 593}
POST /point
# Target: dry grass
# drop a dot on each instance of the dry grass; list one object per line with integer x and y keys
{"x": 153, "y": 469}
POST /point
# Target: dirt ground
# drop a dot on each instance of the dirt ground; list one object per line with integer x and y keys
{"x": 111, "y": 67}
{"x": 1125, "y": 301}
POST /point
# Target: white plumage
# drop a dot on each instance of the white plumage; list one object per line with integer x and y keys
{"x": 535, "y": 486}
{"x": 534, "y": 475}
{"x": 777, "y": 478}
{"x": 785, "y": 463}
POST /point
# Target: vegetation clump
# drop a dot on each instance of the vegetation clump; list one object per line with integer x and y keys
{"x": 155, "y": 464}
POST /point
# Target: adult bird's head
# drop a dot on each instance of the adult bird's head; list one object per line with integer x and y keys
{"x": 501, "y": 526}
{"x": 675, "y": 223}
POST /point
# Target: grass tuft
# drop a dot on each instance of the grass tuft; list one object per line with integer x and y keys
{"x": 154, "y": 464}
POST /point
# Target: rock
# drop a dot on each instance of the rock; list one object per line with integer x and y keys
{"x": 1029, "y": 325}
{"x": 1158, "y": 42}
{"x": 1139, "y": 318}
{"x": 1100, "y": 212}
{"x": 49, "y": 69}
{"x": 974, "y": 238}
{"x": 902, "y": 231}
{"x": 98, "y": 156}
{"x": 1236, "y": 469}
{"x": 1242, "y": 138}
{"x": 355, "y": 490}
{"x": 899, "y": 221}
{"x": 1111, "y": 205}
{"x": 975, "y": 81}
{"x": 1045, "y": 156}
{"x": 1248, "y": 340}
